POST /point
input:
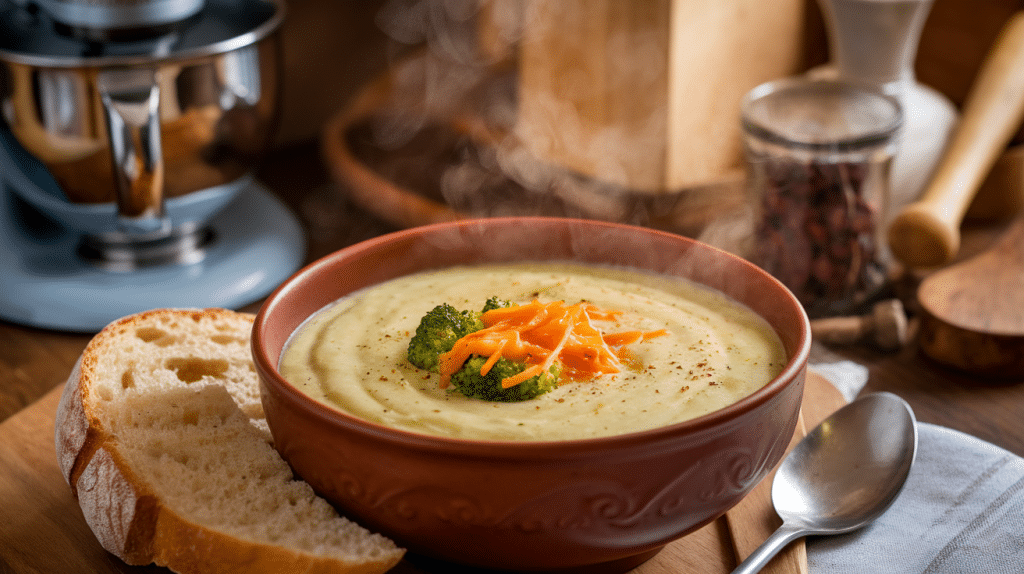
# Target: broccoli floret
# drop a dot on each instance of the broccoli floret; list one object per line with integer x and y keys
{"x": 437, "y": 332}
{"x": 471, "y": 383}
{"x": 495, "y": 303}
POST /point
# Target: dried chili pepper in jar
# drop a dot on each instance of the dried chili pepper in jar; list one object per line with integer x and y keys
{"x": 819, "y": 156}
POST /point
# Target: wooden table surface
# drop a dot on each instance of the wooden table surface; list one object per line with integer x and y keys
{"x": 33, "y": 361}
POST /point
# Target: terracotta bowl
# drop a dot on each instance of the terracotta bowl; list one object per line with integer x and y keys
{"x": 603, "y": 504}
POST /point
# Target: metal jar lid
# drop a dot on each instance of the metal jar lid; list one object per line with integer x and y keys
{"x": 817, "y": 114}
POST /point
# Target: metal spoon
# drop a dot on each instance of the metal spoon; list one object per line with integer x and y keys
{"x": 843, "y": 474}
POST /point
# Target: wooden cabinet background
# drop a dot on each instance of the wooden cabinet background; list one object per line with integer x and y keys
{"x": 333, "y": 47}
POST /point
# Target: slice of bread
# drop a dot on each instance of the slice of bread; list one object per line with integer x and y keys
{"x": 160, "y": 433}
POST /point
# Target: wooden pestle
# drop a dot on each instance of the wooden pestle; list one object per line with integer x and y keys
{"x": 885, "y": 327}
{"x": 926, "y": 233}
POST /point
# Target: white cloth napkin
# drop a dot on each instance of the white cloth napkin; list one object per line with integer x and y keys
{"x": 961, "y": 510}
{"x": 847, "y": 376}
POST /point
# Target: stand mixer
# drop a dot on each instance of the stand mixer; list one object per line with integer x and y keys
{"x": 130, "y": 130}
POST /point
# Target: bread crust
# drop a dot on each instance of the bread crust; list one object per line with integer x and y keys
{"x": 126, "y": 516}
{"x": 71, "y": 425}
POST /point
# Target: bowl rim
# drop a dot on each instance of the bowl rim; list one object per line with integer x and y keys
{"x": 449, "y": 446}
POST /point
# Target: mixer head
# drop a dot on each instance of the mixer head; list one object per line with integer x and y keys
{"x": 118, "y": 20}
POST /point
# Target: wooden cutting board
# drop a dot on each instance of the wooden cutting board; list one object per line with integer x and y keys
{"x": 42, "y": 529}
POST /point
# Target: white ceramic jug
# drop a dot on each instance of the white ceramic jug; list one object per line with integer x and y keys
{"x": 875, "y": 42}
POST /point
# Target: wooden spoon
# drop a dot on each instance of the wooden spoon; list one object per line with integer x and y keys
{"x": 927, "y": 232}
{"x": 973, "y": 312}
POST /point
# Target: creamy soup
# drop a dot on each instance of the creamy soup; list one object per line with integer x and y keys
{"x": 352, "y": 354}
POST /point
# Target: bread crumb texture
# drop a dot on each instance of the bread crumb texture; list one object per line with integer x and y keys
{"x": 170, "y": 350}
{"x": 178, "y": 393}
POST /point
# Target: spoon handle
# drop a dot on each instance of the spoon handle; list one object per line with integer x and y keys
{"x": 771, "y": 546}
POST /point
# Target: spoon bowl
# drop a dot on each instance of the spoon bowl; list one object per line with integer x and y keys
{"x": 843, "y": 475}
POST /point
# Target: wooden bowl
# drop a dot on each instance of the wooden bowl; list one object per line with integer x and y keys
{"x": 461, "y": 159}
{"x": 601, "y": 504}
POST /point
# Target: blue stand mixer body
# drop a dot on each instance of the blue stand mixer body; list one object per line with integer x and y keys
{"x": 258, "y": 243}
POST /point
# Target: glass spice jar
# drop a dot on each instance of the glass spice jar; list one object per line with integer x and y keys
{"x": 819, "y": 156}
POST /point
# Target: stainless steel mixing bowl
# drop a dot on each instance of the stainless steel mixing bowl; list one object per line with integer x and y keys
{"x": 136, "y": 122}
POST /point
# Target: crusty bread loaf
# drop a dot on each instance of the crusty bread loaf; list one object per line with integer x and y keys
{"x": 160, "y": 433}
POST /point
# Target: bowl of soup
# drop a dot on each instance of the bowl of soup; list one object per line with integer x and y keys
{"x": 596, "y": 474}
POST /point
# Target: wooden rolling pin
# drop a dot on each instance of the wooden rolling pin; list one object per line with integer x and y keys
{"x": 926, "y": 233}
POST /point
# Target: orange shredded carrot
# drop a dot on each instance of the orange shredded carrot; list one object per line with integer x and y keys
{"x": 493, "y": 358}
{"x": 539, "y": 334}
{"x": 630, "y": 337}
